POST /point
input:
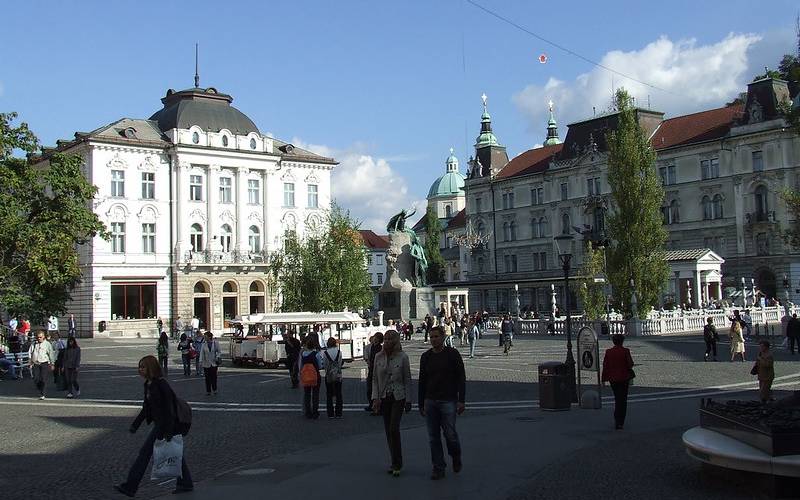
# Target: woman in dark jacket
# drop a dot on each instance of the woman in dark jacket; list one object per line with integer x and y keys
{"x": 158, "y": 408}
{"x": 618, "y": 371}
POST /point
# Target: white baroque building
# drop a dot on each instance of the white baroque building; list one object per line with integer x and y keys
{"x": 195, "y": 198}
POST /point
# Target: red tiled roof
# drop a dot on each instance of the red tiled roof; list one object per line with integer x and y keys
{"x": 458, "y": 220}
{"x": 372, "y": 240}
{"x": 696, "y": 127}
{"x": 530, "y": 162}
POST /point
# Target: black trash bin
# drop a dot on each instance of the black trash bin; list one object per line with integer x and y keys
{"x": 553, "y": 387}
{"x": 101, "y": 327}
{"x": 604, "y": 328}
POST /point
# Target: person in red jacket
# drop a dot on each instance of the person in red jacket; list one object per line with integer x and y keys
{"x": 618, "y": 371}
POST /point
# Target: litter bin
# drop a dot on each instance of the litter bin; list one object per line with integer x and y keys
{"x": 553, "y": 388}
{"x": 101, "y": 327}
{"x": 604, "y": 328}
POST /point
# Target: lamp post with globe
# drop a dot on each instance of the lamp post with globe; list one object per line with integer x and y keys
{"x": 564, "y": 245}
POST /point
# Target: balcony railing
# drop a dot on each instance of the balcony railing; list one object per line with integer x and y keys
{"x": 218, "y": 257}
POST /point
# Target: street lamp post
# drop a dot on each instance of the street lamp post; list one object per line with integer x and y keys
{"x": 564, "y": 244}
{"x": 786, "y": 287}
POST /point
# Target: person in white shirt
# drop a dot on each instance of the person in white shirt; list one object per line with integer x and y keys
{"x": 42, "y": 360}
{"x": 12, "y": 325}
{"x": 210, "y": 359}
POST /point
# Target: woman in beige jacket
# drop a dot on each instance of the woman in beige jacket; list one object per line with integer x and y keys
{"x": 391, "y": 387}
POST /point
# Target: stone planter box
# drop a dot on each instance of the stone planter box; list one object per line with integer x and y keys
{"x": 771, "y": 430}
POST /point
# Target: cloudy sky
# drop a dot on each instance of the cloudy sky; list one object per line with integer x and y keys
{"x": 387, "y": 88}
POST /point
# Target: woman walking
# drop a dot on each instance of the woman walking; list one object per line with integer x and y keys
{"x": 391, "y": 386}
{"x": 472, "y": 336}
{"x": 737, "y": 340}
{"x": 162, "y": 349}
{"x": 618, "y": 371}
{"x": 310, "y": 378}
{"x": 765, "y": 369}
{"x": 72, "y": 362}
{"x": 185, "y": 348}
{"x": 158, "y": 407}
{"x": 210, "y": 359}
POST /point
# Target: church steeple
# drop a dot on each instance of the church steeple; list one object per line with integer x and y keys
{"x": 486, "y": 137}
{"x": 552, "y": 128}
{"x": 490, "y": 155}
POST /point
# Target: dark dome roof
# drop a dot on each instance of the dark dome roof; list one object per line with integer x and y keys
{"x": 206, "y": 108}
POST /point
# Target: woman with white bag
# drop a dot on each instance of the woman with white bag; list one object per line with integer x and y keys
{"x": 158, "y": 407}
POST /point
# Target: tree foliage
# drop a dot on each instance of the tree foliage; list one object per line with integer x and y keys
{"x": 325, "y": 271}
{"x": 433, "y": 236}
{"x": 592, "y": 294}
{"x": 634, "y": 222}
{"x": 45, "y": 213}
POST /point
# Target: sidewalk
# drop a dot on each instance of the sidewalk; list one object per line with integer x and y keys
{"x": 504, "y": 452}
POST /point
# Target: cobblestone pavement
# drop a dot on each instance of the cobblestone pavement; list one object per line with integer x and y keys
{"x": 60, "y": 448}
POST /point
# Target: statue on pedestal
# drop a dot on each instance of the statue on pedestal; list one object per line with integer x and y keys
{"x": 397, "y": 224}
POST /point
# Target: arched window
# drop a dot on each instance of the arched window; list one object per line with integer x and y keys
{"x": 196, "y": 238}
{"x": 565, "y": 225}
{"x": 761, "y": 203}
{"x": 512, "y": 231}
{"x": 257, "y": 297}
{"x": 674, "y": 214}
{"x": 254, "y": 239}
{"x": 708, "y": 209}
{"x": 225, "y": 141}
{"x": 195, "y": 137}
{"x": 479, "y": 228}
{"x": 226, "y": 237}
{"x": 535, "y": 228}
{"x": 718, "y": 206}
{"x": 229, "y": 287}
{"x": 256, "y": 286}
{"x": 544, "y": 228}
{"x": 200, "y": 287}
{"x": 252, "y": 144}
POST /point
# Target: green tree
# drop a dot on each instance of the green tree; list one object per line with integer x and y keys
{"x": 635, "y": 222}
{"x": 433, "y": 236}
{"x": 325, "y": 271}
{"x": 45, "y": 213}
{"x": 592, "y": 294}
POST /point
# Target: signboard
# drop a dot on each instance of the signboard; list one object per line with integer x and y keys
{"x": 588, "y": 350}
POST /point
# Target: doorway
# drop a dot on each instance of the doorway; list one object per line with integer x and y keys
{"x": 201, "y": 310}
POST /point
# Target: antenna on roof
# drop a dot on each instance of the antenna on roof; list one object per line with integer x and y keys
{"x": 594, "y": 111}
{"x": 196, "y": 74}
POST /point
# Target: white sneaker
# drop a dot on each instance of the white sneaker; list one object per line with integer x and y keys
{"x": 70, "y": 396}
{"x": 41, "y": 397}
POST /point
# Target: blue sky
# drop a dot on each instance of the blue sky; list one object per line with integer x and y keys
{"x": 385, "y": 87}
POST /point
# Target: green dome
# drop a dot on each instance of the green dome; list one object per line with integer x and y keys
{"x": 450, "y": 184}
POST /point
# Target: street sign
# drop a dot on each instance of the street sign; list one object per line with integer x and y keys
{"x": 588, "y": 350}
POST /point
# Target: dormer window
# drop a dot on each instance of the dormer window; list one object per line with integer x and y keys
{"x": 225, "y": 141}
{"x": 129, "y": 133}
{"x": 195, "y": 138}
{"x": 252, "y": 144}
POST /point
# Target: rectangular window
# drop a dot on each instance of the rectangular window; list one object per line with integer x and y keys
{"x": 662, "y": 172}
{"x": 196, "y": 187}
{"x": 313, "y": 196}
{"x": 379, "y": 260}
{"x": 225, "y": 189}
{"x": 478, "y": 206}
{"x": 505, "y": 201}
{"x": 148, "y": 185}
{"x": 564, "y": 191}
{"x": 149, "y": 238}
{"x": 537, "y": 196}
{"x": 511, "y": 200}
{"x": 253, "y": 192}
{"x": 380, "y": 278}
{"x": 714, "y": 162}
{"x": 671, "y": 179}
{"x": 513, "y": 263}
{"x": 288, "y": 194}
{"x": 118, "y": 237}
{"x": 133, "y": 301}
{"x": 369, "y": 259}
{"x": 593, "y": 186}
{"x": 118, "y": 183}
{"x": 758, "y": 161}
{"x": 543, "y": 260}
{"x": 709, "y": 169}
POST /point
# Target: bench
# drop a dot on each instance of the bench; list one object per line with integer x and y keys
{"x": 21, "y": 361}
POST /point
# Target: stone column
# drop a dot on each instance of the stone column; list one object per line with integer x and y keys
{"x": 696, "y": 300}
{"x": 241, "y": 201}
{"x": 212, "y": 201}
{"x": 182, "y": 198}
{"x": 265, "y": 245}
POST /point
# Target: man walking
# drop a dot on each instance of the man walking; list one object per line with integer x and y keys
{"x": 506, "y": 328}
{"x": 71, "y": 326}
{"x": 179, "y": 328}
{"x": 793, "y": 332}
{"x": 42, "y": 360}
{"x": 442, "y": 382}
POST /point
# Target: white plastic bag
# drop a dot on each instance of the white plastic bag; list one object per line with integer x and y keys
{"x": 167, "y": 457}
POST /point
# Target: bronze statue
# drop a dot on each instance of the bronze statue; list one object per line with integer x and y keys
{"x": 398, "y": 224}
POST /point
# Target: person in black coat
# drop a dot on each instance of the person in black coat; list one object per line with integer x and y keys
{"x": 158, "y": 408}
{"x": 793, "y": 332}
{"x": 711, "y": 337}
{"x": 292, "y": 355}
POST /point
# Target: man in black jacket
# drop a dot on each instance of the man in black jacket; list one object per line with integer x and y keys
{"x": 793, "y": 332}
{"x": 442, "y": 382}
{"x": 292, "y": 355}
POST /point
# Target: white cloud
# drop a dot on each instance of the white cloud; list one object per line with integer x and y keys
{"x": 694, "y": 76}
{"x": 366, "y": 185}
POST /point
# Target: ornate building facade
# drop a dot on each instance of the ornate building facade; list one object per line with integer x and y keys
{"x": 723, "y": 171}
{"x": 195, "y": 199}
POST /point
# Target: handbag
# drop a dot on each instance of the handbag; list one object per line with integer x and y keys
{"x": 167, "y": 458}
{"x": 754, "y": 369}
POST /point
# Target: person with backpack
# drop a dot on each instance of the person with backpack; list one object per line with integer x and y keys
{"x": 185, "y": 348}
{"x": 72, "y": 362}
{"x": 210, "y": 359}
{"x": 168, "y": 414}
{"x": 332, "y": 362}
{"x": 711, "y": 337}
{"x": 162, "y": 349}
{"x": 310, "y": 378}
{"x": 391, "y": 387}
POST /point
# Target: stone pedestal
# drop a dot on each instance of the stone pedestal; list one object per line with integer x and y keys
{"x": 398, "y": 297}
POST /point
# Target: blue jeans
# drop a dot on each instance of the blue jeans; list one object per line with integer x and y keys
{"x": 8, "y": 365}
{"x": 448, "y": 340}
{"x": 440, "y": 416}
{"x": 472, "y": 342}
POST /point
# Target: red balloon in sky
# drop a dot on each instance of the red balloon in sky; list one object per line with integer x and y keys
{"x": 543, "y": 58}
